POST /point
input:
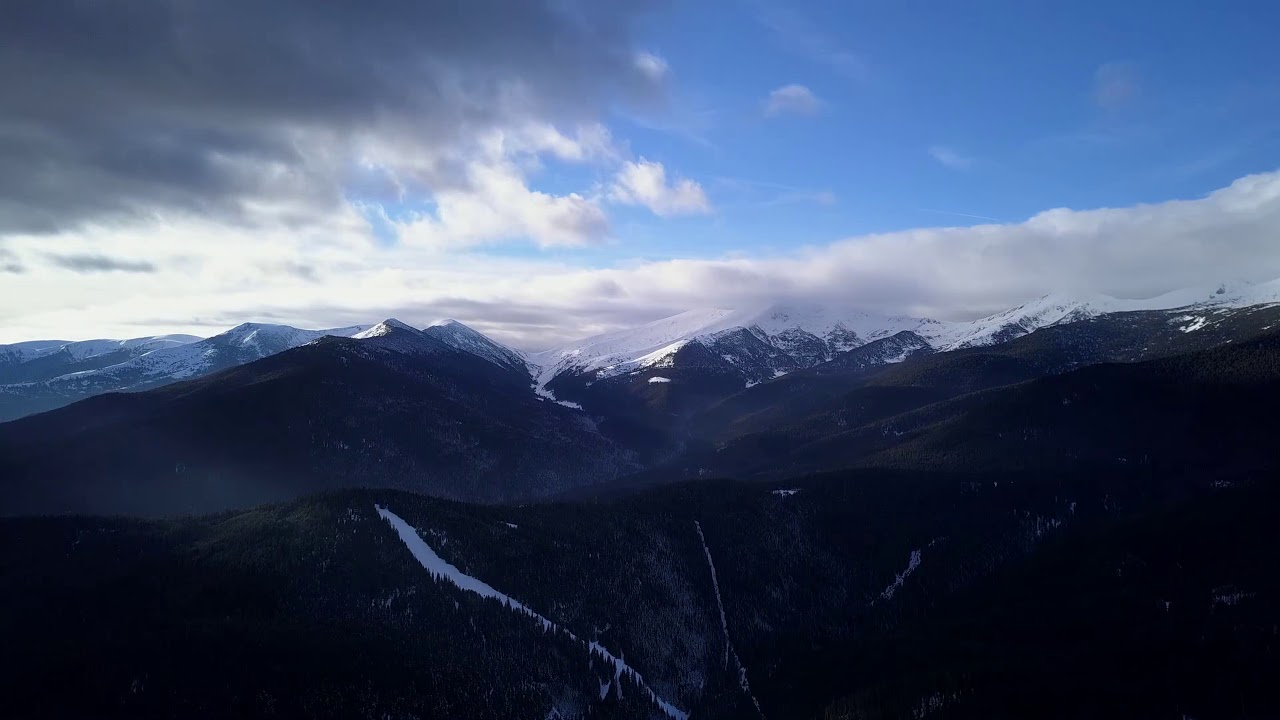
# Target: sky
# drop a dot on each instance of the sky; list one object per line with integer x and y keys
{"x": 548, "y": 169}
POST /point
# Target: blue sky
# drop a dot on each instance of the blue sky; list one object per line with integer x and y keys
{"x": 1082, "y": 105}
{"x": 547, "y": 168}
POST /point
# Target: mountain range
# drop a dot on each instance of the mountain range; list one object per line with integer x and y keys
{"x": 756, "y": 343}
{"x": 1058, "y": 511}
{"x": 264, "y": 413}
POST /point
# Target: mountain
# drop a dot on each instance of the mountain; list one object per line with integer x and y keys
{"x": 804, "y": 336}
{"x": 791, "y": 391}
{"x": 46, "y": 359}
{"x": 460, "y": 337}
{"x": 801, "y": 335}
{"x": 979, "y": 408}
{"x": 1065, "y": 524}
{"x": 150, "y": 362}
{"x": 665, "y": 387}
{"x": 1061, "y": 308}
{"x": 753, "y": 345}
{"x": 393, "y": 407}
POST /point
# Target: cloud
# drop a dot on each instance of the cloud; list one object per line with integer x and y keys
{"x": 950, "y": 157}
{"x": 100, "y": 263}
{"x": 266, "y": 114}
{"x": 652, "y": 66}
{"x": 12, "y": 268}
{"x": 495, "y": 203}
{"x": 792, "y": 100}
{"x": 645, "y": 183}
{"x": 212, "y": 276}
{"x": 1115, "y": 85}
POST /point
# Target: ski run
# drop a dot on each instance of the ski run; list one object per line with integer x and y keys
{"x": 438, "y": 568}
{"x": 724, "y": 624}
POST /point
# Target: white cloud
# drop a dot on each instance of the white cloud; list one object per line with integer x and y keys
{"x": 501, "y": 207}
{"x": 211, "y": 276}
{"x": 491, "y": 201}
{"x": 645, "y": 183}
{"x": 792, "y": 100}
{"x": 950, "y": 157}
{"x": 651, "y": 66}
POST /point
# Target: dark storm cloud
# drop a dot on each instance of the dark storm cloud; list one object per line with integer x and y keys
{"x": 114, "y": 109}
{"x": 99, "y": 263}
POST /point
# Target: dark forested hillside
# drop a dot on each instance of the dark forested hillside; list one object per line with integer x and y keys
{"x": 855, "y": 595}
{"x": 817, "y": 396}
{"x": 1018, "y": 405}
{"x": 1016, "y": 531}
{"x": 400, "y": 410}
{"x": 1196, "y": 413}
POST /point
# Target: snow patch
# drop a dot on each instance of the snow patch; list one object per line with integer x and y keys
{"x": 1193, "y": 323}
{"x": 546, "y": 394}
{"x": 786, "y": 493}
{"x": 656, "y": 379}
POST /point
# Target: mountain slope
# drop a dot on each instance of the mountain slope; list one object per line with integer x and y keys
{"x": 810, "y": 335}
{"x": 843, "y": 394}
{"x": 47, "y": 359}
{"x": 801, "y": 336}
{"x": 868, "y": 595}
{"x": 396, "y": 409}
{"x": 162, "y": 364}
{"x": 460, "y": 337}
{"x": 1193, "y": 411}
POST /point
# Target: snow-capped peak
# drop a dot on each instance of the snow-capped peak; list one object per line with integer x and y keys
{"x": 627, "y": 347}
{"x": 467, "y": 339}
{"x": 385, "y": 327}
{"x": 782, "y": 325}
{"x": 1051, "y": 309}
{"x": 268, "y": 338}
{"x": 1058, "y": 308}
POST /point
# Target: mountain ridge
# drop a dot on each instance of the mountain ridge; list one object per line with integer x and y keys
{"x": 755, "y": 344}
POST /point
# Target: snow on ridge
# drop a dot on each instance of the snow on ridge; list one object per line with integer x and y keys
{"x": 439, "y": 568}
{"x": 467, "y": 339}
{"x": 724, "y": 624}
{"x": 84, "y": 349}
{"x": 653, "y": 344}
{"x": 829, "y": 322}
{"x": 178, "y": 362}
{"x": 383, "y": 328}
{"x": 1057, "y": 308}
{"x": 630, "y": 346}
